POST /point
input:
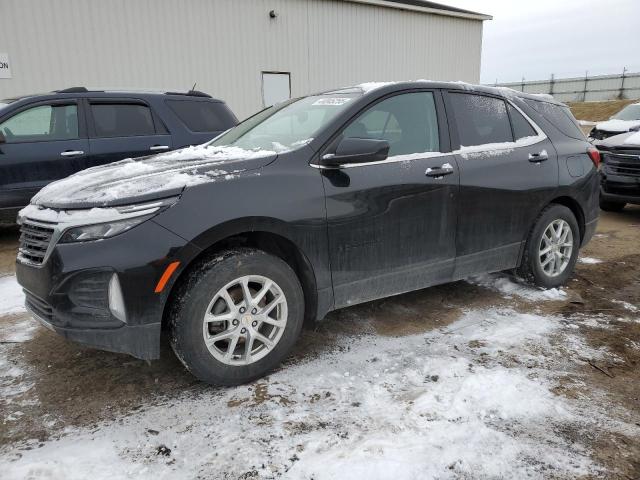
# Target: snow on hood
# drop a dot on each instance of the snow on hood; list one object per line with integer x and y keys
{"x": 620, "y": 140}
{"x": 633, "y": 139}
{"x": 617, "y": 125}
{"x": 116, "y": 183}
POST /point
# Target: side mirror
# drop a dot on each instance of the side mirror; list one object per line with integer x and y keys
{"x": 357, "y": 150}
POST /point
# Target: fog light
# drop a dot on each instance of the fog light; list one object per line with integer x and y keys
{"x": 116, "y": 300}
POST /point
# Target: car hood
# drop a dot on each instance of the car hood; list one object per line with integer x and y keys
{"x": 617, "y": 125}
{"x": 147, "y": 178}
{"x": 623, "y": 140}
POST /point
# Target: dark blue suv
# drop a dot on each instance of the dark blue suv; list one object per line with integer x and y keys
{"x": 48, "y": 137}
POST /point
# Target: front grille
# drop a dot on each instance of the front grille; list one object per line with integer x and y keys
{"x": 35, "y": 238}
{"x": 627, "y": 165}
{"x": 38, "y": 306}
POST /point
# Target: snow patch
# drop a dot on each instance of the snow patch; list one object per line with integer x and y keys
{"x": 12, "y": 296}
{"x": 423, "y": 406}
{"x": 589, "y": 260}
{"x": 616, "y": 125}
{"x": 633, "y": 139}
{"x": 509, "y": 288}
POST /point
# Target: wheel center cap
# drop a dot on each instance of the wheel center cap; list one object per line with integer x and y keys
{"x": 246, "y": 320}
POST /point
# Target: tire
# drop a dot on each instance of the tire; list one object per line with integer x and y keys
{"x": 202, "y": 293}
{"x": 531, "y": 268}
{"x": 609, "y": 206}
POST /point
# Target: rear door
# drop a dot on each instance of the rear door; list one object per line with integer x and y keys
{"x": 123, "y": 128}
{"x": 44, "y": 141}
{"x": 508, "y": 172}
{"x": 391, "y": 224}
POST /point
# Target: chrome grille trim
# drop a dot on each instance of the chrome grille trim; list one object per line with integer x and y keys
{"x": 35, "y": 241}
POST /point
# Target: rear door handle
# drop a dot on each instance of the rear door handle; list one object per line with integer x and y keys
{"x": 156, "y": 148}
{"x": 538, "y": 157}
{"x": 439, "y": 172}
{"x": 72, "y": 153}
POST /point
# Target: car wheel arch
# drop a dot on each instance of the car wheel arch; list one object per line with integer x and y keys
{"x": 268, "y": 241}
{"x": 573, "y": 205}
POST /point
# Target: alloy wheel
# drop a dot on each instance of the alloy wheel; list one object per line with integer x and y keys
{"x": 556, "y": 247}
{"x": 245, "y": 320}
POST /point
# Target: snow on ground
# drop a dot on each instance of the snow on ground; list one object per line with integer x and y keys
{"x": 471, "y": 400}
{"x": 589, "y": 260}
{"x": 11, "y": 296}
{"x": 509, "y": 287}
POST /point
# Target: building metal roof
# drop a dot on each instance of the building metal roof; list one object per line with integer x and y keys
{"x": 427, "y": 7}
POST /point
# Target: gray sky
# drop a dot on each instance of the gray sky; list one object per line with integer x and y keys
{"x": 565, "y": 37}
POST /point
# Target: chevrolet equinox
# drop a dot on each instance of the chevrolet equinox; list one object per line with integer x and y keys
{"x": 309, "y": 206}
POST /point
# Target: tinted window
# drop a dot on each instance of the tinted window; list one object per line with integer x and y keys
{"x": 42, "y": 123}
{"x": 122, "y": 120}
{"x": 408, "y": 122}
{"x": 202, "y": 116}
{"x": 560, "y": 116}
{"x": 521, "y": 127}
{"x": 480, "y": 119}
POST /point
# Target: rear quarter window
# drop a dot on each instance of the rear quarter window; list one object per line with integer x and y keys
{"x": 558, "y": 115}
{"x": 200, "y": 116}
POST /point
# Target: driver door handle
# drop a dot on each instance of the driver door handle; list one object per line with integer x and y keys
{"x": 439, "y": 172}
{"x": 72, "y": 153}
{"x": 538, "y": 157}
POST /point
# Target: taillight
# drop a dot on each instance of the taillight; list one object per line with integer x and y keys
{"x": 594, "y": 155}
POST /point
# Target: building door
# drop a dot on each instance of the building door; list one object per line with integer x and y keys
{"x": 276, "y": 87}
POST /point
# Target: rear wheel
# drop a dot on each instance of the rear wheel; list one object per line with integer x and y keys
{"x": 609, "y": 206}
{"x": 236, "y": 317}
{"x": 552, "y": 248}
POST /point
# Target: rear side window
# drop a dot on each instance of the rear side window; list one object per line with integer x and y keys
{"x": 122, "y": 120}
{"x": 521, "y": 127}
{"x": 202, "y": 116}
{"x": 560, "y": 116}
{"x": 409, "y": 123}
{"x": 480, "y": 119}
{"x": 42, "y": 123}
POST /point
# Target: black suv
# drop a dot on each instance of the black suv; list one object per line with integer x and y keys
{"x": 311, "y": 205}
{"x": 47, "y": 137}
{"x": 620, "y": 171}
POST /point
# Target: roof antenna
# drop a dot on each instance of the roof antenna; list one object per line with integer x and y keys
{"x": 194, "y": 86}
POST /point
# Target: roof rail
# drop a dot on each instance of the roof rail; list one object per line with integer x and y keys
{"x": 191, "y": 93}
{"x": 72, "y": 90}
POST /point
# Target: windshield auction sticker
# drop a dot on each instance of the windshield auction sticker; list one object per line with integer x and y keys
{"x": 331, "y": 101}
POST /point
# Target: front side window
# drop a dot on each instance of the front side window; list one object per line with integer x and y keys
{"x": 480, "y": 119}
{"x": 42, "y": 123}
{"x": 288, "y": 125}
{"x": 122, "y": 120}
{"x": 409, "y": 123}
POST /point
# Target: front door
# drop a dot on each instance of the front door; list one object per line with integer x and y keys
{"x": 42, "y": 143}
{"x": 508, "y": 172}
{"x": 391, "y": 224}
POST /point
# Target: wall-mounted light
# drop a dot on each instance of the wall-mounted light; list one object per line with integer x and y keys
{"x": 273, "y": 14}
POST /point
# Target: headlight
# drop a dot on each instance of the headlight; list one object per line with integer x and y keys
{"x": 100, "y": 223}
{"x": 101, "y": 230}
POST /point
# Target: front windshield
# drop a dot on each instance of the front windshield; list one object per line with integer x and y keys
{"x": 286, "y": 126}
{"x": 630, "y": 112}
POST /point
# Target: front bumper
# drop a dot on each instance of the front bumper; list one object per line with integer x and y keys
{"x": 68, "y": 293}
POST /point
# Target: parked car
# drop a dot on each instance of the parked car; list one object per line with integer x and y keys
{"x": 309, "y": 206}
{"x": 48, "y": 137}
{"x": 620, "y": 171}
{"x": 627, "y": 119}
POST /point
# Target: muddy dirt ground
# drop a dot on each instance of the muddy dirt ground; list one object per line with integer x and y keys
{"x": 76, "y": 386}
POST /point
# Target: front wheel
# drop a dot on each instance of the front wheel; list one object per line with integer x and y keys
{"x": 236, "y": 316}
{"x": 552, "y": 248}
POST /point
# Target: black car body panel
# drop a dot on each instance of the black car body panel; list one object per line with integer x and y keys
{"x": 30, "y": 162}
{"x": 356, "y": 232}
{"x": 620, "y": 172}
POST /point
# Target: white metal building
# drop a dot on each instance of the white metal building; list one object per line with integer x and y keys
{"x": 247, "y": 52}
